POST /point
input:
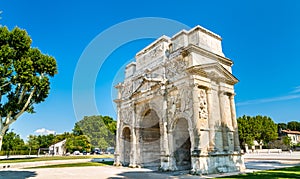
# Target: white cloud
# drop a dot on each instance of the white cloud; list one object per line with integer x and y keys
{"x": 296, "y": 90}
{"x": 44, "y": 131}
{"x": 295, "y": 94}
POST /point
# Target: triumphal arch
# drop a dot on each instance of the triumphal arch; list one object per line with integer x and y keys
{"x": 176, "y": 107}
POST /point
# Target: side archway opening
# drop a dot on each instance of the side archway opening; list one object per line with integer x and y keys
{"x": 126, "y": 136}
{"x": 182, "y": 145}
{"x": 150, "y": 139}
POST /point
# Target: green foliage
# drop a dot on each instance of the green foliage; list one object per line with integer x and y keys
{"x": 287, "y": 140}
{"x": 259, "y": 128}
{"x": 100, "y": 130}
{"x": 61, "y": 137}
{"x": 24, "y": 76}
{"x": 278, "y": 144}
{"x": 81, "y": 143}
{"x": 293, "y": 126}
{"x": 282, "y": 126}
{"x": 12, "y": 141}
{"x": 40, "y": 141}
{"x": 77, "y": 130}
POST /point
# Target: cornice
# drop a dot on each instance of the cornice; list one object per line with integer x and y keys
{"x": 202, "y": 51}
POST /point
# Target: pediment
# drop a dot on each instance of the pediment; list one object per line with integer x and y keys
{"x": 214, "y": 71}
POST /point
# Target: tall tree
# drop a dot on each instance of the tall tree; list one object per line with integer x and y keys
{"x": 12, "y": 141}
{"x": 100, "y": 130}
{"x": 80, "y": 143}
{"x": 293, "y": 125}
{"x": 41, "y": 141}
{"x": 24, "y": 76}
{"x": 256, "y": 128}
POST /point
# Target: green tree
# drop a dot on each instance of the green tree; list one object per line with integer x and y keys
{"x": 259, "y": 128}
{"x": 293, "y": 125}
{"x": 12, "y": 141}
{"x": 100, "y": 130}
{"x": 40, "y": 141}
{"x": 80, "y": 143}
{"x": 61, "y": 137}
{"x": 77, "y": 130}
{"x": 287, "y": 141}
{"x": 282, "y": 126}
{"x": 24, "y": 76}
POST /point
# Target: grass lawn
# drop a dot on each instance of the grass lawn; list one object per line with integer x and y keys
{"x": 87, "y": 164}
{"x": 37, "y": 159}
{"x": 290, "y": 172}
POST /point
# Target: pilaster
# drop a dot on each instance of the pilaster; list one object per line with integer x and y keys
{"x": 223, "y": 120}
{"x": 234, "y": 124}
{"x": 117, "y": 150}
{"x": 133, "y": 153}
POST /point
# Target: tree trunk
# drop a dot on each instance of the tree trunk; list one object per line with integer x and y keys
{"x": 2, "y": 133}
{"x": 1, "y": 139}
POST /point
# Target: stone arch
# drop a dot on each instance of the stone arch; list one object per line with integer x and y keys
{"x": 126, "y": 138}
{"x": 184, "y": 116}
{"x": 154, "y": 105}
{"x": 149, "y": 138}
{"x": 182, "y": 144}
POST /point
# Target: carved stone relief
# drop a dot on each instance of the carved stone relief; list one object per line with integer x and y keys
{"x": 126, "y": 115}
{"x": 186, "y": 99}
{"x": 173, "y": 104}
{"x": 176, "y": 68}
{"x": 127, "y": 90}
{"x": 203, "y": 114}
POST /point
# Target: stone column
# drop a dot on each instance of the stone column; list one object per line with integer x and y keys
{"x": 172, "y": 161}
{"x": 117, "y": 150}
{"x": 196, "y": 131}
{"x": 133, "y": 138}
{"x": 211, "y": 121}
{"x": 165, "y": 122}
{"x": 223, "y": 121}
{"x": 234, "y": 124}
{"x": 165, "y": 152}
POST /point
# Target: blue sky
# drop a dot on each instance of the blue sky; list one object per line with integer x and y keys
{"x": 261, "y": 37}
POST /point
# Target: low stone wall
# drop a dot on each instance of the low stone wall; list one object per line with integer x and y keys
{"x": 217, "y": 163}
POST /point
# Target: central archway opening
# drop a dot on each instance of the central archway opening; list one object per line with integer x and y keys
{"x": 126, "y": 146}
{"x": 150, "y": 139}
{"x": 182, "y": 145}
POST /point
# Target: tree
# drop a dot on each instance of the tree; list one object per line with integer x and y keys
{"x": 12, "y": 141}
{"x": 293, "y": 126}
{"x": 80, "y": 143}
{"x": 100, "y": 130}
{"x": 259, "y": 128}
{"x": 282, "y": 126}
{"x": 24, "y": 76}
{"x": 287, "y": 141}
{"x": 40, "y": 141}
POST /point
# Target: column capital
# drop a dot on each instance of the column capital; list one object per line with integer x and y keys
{"x": 231, "y": 95}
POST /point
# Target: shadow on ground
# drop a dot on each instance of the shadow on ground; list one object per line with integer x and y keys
{"x": 149, "y": 174}
{"x": 11, "y": 174}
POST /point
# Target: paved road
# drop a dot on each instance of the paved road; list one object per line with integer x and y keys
{"x": 253, "y": 162}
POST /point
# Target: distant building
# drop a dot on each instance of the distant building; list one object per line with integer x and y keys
{"x": 294, "y": 135}
{"x": 58, "y": 148}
